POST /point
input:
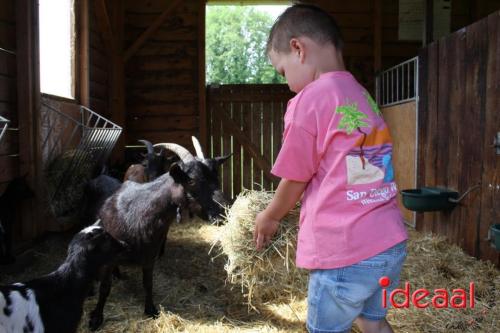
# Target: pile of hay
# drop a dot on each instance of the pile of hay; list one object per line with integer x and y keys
{"x": 265, "y": 275}
{"x": 66, "y": 177}
{"x": 434, "y": 263}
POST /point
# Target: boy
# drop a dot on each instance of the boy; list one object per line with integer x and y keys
{"x": 336, "y": 154}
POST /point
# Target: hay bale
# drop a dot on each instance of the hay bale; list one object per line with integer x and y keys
{"x": 266, "y": 275}
{"x": 66, "y": 176}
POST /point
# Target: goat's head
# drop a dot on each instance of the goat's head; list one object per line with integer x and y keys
{"x": 154, "y": 163}
{"x": 199, "y": 177}
{"x": 96, "y": 245}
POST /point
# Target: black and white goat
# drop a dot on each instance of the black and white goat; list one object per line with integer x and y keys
{"x": 141, "y": 214}
{"x": 17, "y": 190}
{"x": 54, "y": 302}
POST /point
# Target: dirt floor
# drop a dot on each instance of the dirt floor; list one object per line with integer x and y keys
{"x": 191, "y": 290}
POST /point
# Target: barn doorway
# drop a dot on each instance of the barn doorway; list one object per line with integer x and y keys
{"x": 246, "y": 97}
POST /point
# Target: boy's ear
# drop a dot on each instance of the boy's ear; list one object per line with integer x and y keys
{"x": 298, "y": 46}
{"x": 179, "y": 176}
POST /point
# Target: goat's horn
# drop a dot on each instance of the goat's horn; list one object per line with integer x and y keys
{"x": 148, "y": 145}
{"x": 182, "y": 152}
{"x": 197, "y": 147}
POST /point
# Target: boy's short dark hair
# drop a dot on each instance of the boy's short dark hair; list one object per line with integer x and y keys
{"x": 303, "y": 20}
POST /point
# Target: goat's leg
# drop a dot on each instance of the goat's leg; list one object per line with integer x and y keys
{"x": 96, "y": 316}
{"x": 147, "y": 281}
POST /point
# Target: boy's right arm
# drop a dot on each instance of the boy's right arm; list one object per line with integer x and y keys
{"x": 266, "y": 223}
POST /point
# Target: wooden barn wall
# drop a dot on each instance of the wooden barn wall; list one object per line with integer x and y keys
{"x": 162, "y": 90}
{"x": 98, "y": 67}
{"x": 458, "y": 118}
{"x": 402, "y": 123}
{"x": 8, "y": 87}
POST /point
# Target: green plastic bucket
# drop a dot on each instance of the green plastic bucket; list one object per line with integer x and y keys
{"x": 429, "y": 199}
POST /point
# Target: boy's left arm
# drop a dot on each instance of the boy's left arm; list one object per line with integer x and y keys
{"x": 266, "y": 223}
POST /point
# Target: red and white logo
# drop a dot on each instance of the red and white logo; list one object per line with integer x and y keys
{"x": 440, "y": 298}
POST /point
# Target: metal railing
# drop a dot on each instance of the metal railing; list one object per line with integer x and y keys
{"x": 73, "y": 145}
{"x": 3, "y": 126}
{"x": 398, "y": 84}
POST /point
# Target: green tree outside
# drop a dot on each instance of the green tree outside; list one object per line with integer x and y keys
{"x": 236, "y": 39}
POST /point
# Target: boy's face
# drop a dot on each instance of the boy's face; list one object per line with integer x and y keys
{"x": 293, "y": 68}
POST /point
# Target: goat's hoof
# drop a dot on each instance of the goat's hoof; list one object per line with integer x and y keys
{"x": 95, "y": 321}
{"x": 151, "y": 311}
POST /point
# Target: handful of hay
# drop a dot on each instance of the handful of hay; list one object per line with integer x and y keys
{"x": 265, "y": 275}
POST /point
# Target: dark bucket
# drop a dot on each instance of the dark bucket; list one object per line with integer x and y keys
{"x": 495, "y": 236}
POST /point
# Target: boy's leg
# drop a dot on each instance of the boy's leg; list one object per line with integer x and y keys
{"x": 373, "y": 326}
{"x": 372, "y": 317}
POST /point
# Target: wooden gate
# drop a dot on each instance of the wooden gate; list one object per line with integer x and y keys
{"x": 458, "y": 120}
{"x": 246, "y": 121}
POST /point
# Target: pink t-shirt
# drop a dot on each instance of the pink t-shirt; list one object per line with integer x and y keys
{"x": 336, "y": 140}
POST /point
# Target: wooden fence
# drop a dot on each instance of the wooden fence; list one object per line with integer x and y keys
{"x": 246, "y": 121}
{"x": 458, "y": 119}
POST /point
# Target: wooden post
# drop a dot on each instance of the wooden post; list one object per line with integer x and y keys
{"x": 112, "y": 31}
{"x": 428, "y": 22}
{"x": 83, "y": 65}
{"x": 377, "y": 36}
{"x": 117, "y": 78}
{"x": 203, "y": 132}
{"x": 28, "y": 106}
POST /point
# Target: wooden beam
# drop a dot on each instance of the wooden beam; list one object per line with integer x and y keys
{"x": 428, "y": 22}
{"x": 117, "y": 77}
{"x": 377, "y": 35}
{"x": 83, "y": 19}
{"x": 28, "y": 108}
{"x": 149, "y": 31}
{"x": 104, "y": 25}
{"x": 203, "y": 130}
{"x": 233, "y": 129}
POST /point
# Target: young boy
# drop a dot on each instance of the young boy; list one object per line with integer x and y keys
{"x": 336, "y": 154}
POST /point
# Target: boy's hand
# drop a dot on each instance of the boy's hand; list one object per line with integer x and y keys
{"x": 265, "y": 228}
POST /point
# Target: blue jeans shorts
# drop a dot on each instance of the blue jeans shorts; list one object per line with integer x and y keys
{"x": 336, "y": 297}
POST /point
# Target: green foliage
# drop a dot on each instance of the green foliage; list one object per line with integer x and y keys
{"x": 352, "y": 117}
{"x": 236, "y": 39}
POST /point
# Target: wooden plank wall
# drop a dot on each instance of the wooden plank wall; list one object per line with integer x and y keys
{"x": 402, "y": 122}
{"x": 98, "y": 67}
{"x": 8, "y": 85}
{"x": 162, "y": 90}
{"x": 246, "y": 120}
{"x": 458, "y": 117}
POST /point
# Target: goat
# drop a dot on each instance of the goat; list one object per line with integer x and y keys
{"x": 136, "y": 173}
{"x": 141, "y": 214}
{"x": 97, "y": 191}
{"x": 152, "y": 166}
{"x": 54, "y": 302}
{"x": 17, "y": 190}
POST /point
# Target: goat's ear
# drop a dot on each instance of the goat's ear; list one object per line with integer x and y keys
{"x": 222, "y": 159}
{"x": 178, "y": 174}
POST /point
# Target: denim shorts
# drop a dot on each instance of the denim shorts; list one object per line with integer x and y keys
{"x": 336, "y": 297}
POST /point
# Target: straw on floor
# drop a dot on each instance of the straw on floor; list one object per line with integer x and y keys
{"x": 190, "y": 288}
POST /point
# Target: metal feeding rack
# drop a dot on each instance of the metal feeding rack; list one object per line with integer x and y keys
{"x": 3, "y": 126}
{"x": 74, "y": 143}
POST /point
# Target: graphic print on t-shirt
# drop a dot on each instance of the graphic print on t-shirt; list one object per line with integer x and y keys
{"x": 370, "y": 160}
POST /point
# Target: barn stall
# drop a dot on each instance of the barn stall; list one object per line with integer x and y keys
{"x": 140, "y": 68}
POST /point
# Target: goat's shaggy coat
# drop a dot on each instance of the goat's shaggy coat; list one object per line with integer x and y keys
{"x": 141, "y": 214}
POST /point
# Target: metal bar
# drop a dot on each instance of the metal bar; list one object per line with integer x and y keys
{"x": 7, "y": 51}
